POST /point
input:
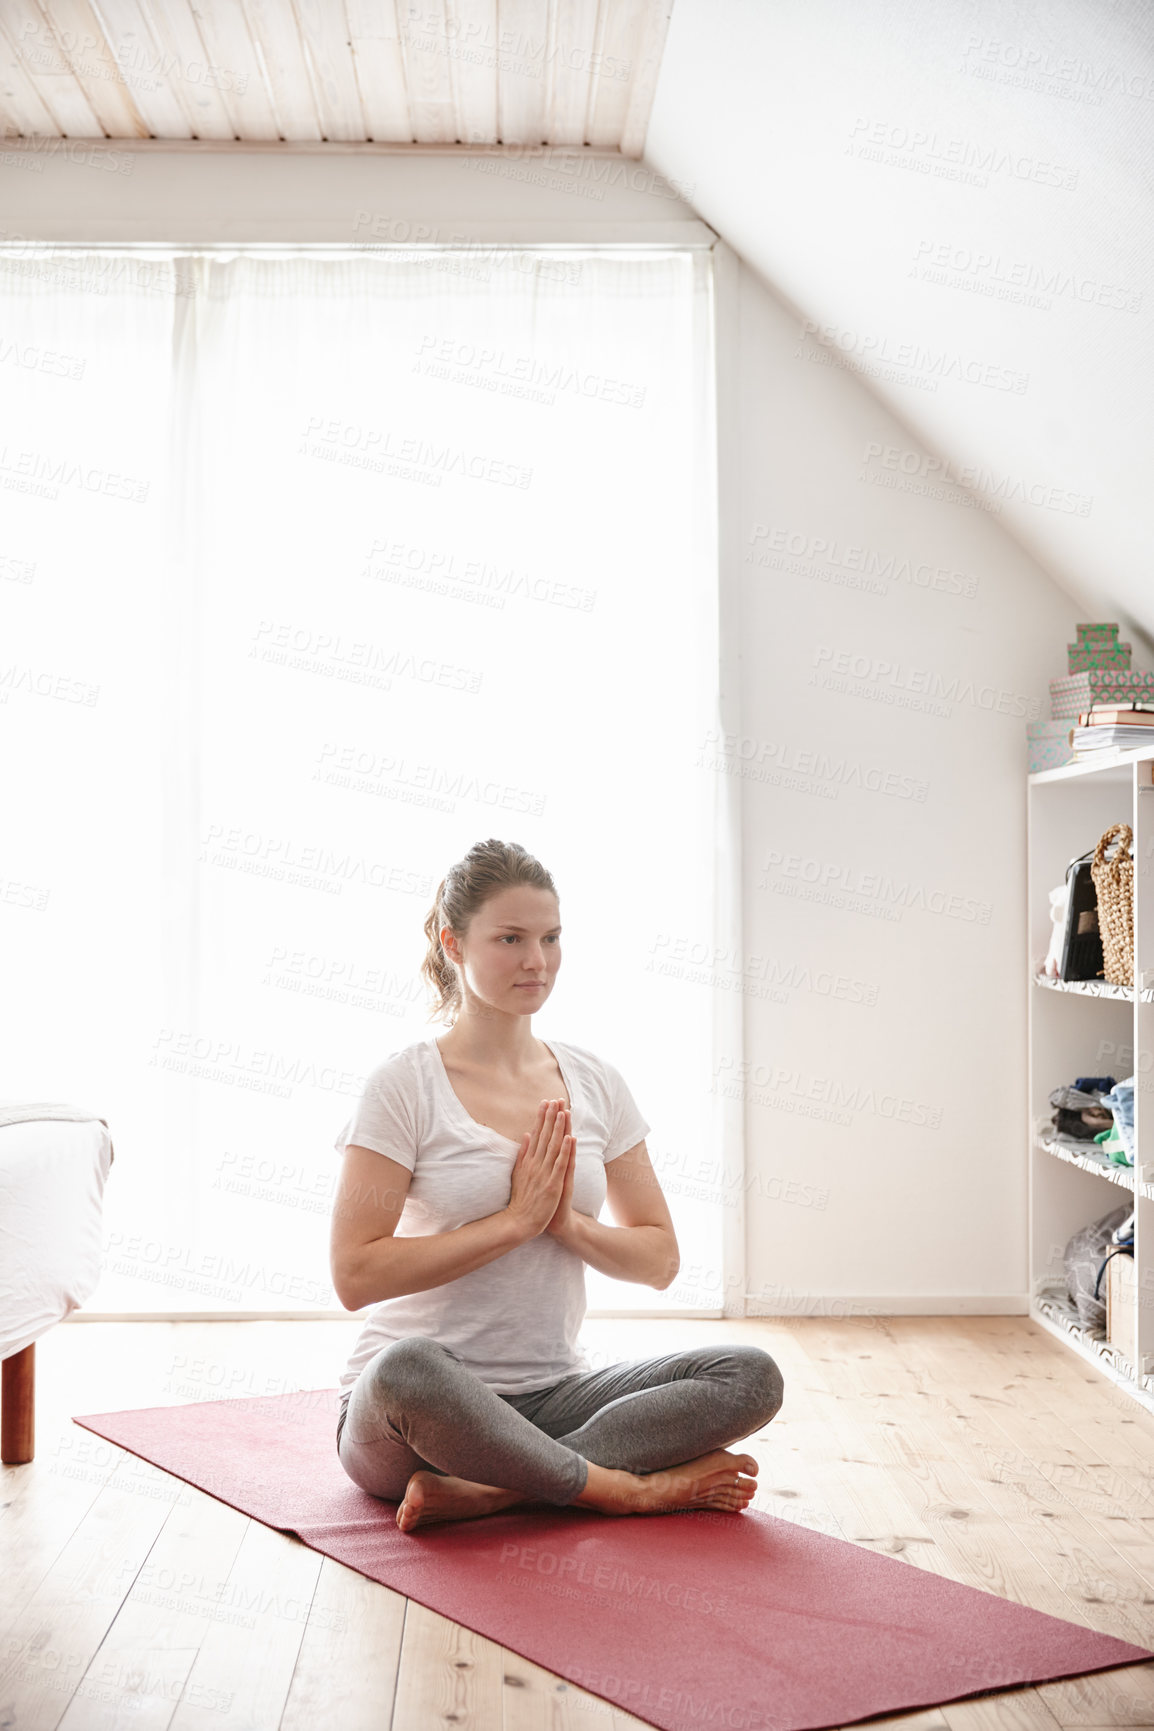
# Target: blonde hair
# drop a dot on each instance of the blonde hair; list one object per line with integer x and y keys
{"x": 488, "y": 866}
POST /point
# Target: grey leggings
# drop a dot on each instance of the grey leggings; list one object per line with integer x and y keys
{"x": 416, "y": 1405}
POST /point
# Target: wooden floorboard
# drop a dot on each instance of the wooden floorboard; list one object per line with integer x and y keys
{"x": 977, "y": 1448}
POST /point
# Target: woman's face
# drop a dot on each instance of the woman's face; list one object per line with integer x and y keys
{"x": 511, "y": 951}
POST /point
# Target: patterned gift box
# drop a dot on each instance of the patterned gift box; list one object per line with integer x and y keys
{"x": 1098, "y": 685}
{"x": 1097, "y": 646}
{"x": 1081, "y": 660}
{"x": 1048, "y": 745}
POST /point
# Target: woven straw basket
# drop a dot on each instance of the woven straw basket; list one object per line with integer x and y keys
{"x": 1114, "y": 887}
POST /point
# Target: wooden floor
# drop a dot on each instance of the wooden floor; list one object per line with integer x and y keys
{"x": 980, "y": 1449}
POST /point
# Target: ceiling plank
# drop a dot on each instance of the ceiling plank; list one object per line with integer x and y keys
{"x": 534, "y": 73}
{"x": 47, "y": 68}
{"x": 325, "y": 30}
{"x": 570, "y": 69}
{"x": 151, "y": 72}
{"x": 474, "y": 50}
{"x": 522, "y": 88}
{"x": 432, "y": 102}
{"x": 198, "y": 84}
{"x": 644, "y": 85}
{"x": 380, "y": 70}
{"x": 230, "y": 47}
{"x": 86, "y": 48}
{"x": 274, "y": 28}
{"x": 22, "y": 110}
{"x": 614, "y": 70}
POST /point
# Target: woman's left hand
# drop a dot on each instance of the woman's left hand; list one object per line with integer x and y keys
{"x": 562, "y": 1215}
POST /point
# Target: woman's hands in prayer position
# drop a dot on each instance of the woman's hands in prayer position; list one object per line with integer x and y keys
{"x": 562, "y": 1215}
{"x": 541, "y": 1188}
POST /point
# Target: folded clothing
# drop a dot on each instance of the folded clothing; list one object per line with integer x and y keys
{"x": 1083, "y": 1126}
{"x": 1093, "y": 1150}
{"x": 1079, "y": 1096}
{"x": 1120, "y": 1101}
{"x": 1081, "y": 1109}
{"x": 1111, "y": 1144}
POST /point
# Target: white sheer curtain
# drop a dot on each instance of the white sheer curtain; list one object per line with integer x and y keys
{"x": 318, "y": 570}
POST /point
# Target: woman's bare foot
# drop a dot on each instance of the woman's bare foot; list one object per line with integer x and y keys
{"x": 717, "y": 1480}
{"x": 433, "y": 1497}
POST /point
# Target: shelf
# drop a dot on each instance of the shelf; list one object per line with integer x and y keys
{"x": 1086, "y": 988}
{"x": 1064, "y": 1044}
{"x": 1051, "y": 1306}
{"x": 1095, "y": 989}
{"x": 1102, "y": 1168}
{"x": 1114, "y": 787}
{"x": 1114, "y": 766}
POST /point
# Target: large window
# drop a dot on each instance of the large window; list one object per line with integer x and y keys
{"x": 318, "y": 569}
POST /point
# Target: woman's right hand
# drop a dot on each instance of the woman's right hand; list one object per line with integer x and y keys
{"x": 539, "y": 1169}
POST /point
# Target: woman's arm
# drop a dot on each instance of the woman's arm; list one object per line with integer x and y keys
{"x": 369, "y": 1264}
{"x": 643, "y": 1245}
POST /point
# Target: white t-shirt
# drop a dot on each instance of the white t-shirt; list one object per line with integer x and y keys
{"x": 515, "y": 1320}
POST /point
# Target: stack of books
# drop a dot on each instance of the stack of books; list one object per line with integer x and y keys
{"x": 1100, "y": 683}
{"x": 1114, "y": 727}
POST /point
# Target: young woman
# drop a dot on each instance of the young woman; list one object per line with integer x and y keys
{"x": 468, "y": 1234}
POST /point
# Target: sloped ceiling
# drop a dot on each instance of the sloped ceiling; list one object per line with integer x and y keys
{"x": 957, "y": 197}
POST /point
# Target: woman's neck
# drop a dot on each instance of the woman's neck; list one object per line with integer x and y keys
{"x": 492, "y": 1041}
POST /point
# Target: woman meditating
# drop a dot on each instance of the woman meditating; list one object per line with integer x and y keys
{"x": 475, "y": 1168}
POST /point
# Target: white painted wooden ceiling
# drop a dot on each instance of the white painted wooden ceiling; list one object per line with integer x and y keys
{"x": 466, "y": 72}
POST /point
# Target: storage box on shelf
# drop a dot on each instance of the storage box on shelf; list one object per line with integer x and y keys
{"x": 1084, "y": 1028}
{"x": 1049, "y": 743}
{"x": 1096, "y": 686}
{"x": 1121, "y": 1283}
{"x": 1098, "y": 672}
{"x": 1097, "y": 646}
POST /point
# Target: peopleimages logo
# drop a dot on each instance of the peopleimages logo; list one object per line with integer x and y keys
{"x": 855, "y": 557}
{"x": 966, "y": 159}
{"x": 872, "y": 347}
{"x": 1037, "y": 67}
{"x": 1000, "y": 487}
{"x": 874, "y": 893}
{"x": 876, "y": 678}
{"x": 936, "y": 261}
{"x": 492, "y": 368}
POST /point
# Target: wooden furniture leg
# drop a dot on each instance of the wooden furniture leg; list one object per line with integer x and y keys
{"x": 18, "y": 1408}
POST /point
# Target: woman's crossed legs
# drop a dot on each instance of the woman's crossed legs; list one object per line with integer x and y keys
{"x": 603, "y": 1438}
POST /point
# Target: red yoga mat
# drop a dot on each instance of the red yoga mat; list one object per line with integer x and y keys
{"x": 689, "y": 1620}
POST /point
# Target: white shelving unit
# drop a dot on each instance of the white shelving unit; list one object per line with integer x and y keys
{"x": 1090, "y": 1028}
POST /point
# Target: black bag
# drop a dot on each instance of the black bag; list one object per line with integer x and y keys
{"x": 1082, "y": 957}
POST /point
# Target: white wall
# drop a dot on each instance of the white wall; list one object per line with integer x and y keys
{"x": 956, "y": 200}
{"x": 79, "y": 190}
{"x": 961, "y": 193}
{"x": 886, "y": 1108}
